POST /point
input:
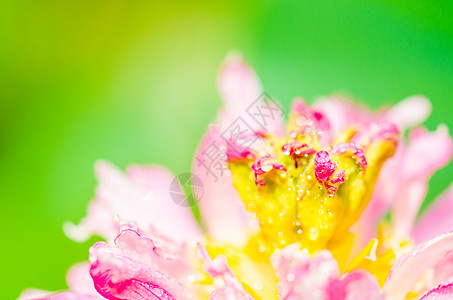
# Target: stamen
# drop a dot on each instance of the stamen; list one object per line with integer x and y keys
{"x": 264, "y": 165}
{"x": 324, "y": 167}
{"x": 297, "y": 149}
{"x": 356, "y": 152}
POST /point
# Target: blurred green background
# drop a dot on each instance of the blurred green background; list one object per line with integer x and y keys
{"x": 134, "y": 82}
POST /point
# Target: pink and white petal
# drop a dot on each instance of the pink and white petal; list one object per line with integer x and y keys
{"x": 142, "y": 196}
{"x": 305, "y": 115}
{"x": 230, "y": 293}
{"x": 303, "y": 276}
{"x": 240, "y": 89}
{"x": 409, "y": 112}
{"x": 223, "y": 212}
{"x": 29, "y": 294}
{"x": 170, "y": 219}
{"x": 117, "y": 276}
{"x": 442, "y": 272}
{"x": 80, "y": 285}
{"x": 35, "y": 294}
{"x": 72, "y": 296}
{"x": 238, "y": 84}
{"x": 230, "y": 287}
{"x": 357, "y": 285}
{"x": 342, "y": 113}
{"x": 79, "y": 280}
{"x": 384, "y": 194}
{"x": 425, "y": 153}
{"x": 171, "y": 258}
{"x": 410, "y": 267}
{"x": 442, "y": 292}
{"x": 366, "y": 226}
{"x": 98, "y": 221}
{"x": 438, "y": 218}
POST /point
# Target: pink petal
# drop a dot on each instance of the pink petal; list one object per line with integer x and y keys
{"x": 222, "y": 210}
{"x": 79, "y": 279}
{"x": 118, "y": 276}
{"x": 242, "y": 96}
{"x": 410, "y": 267}
{"x": 218, "y": 268}
{"x": 403, "y": 183}
{"x": 302, "y": 276}
{"x": 425, "y": 153}
{"x": 238, "y": 84}
{"x": 163, "y": 255}
{"x": 29, "y": 294}
{"x": 80, "y": 284}
{"x": 72, "y": 296}
{"x": 409, "y": 112}
{"x": 142, "y": 196}
{"x": 342, "y": 113}
{"x": 438, "y": 218}
{"x": 306, "y": 118}
{"x": 35, "y": 294}
{"x": 442, "y": 292}
{"x": 357, "y": 285}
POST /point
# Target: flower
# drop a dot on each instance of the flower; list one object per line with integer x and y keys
{"x": 296, "y": 212}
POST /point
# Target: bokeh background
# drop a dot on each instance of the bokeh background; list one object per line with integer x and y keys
{"x": 134, "y": 82}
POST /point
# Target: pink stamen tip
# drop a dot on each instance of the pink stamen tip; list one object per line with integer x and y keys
{"x": 324, "y": 167}
{"x": 263, "y": 165}
{"x": 354, "y": 150}
{"x": 297, "y": 149}
{"x": 339, "y": 177}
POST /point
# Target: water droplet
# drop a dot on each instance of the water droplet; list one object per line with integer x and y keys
{"x": 290, "y": 277}
{"x": 261, "y": 249}
{"x": 308, "y": 177}
{"x": 158, "y": 292}
{"x": 257, "y": 285}
{"x": 313, "y": 234}
{"x": 299, "y": 231}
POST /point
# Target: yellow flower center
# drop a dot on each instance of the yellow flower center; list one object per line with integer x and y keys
{"x": 303, "y": 191}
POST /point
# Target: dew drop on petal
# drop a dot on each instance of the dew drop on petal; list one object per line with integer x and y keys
{"x": 257, "y": 285}
{"x": 290, "y": 277}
